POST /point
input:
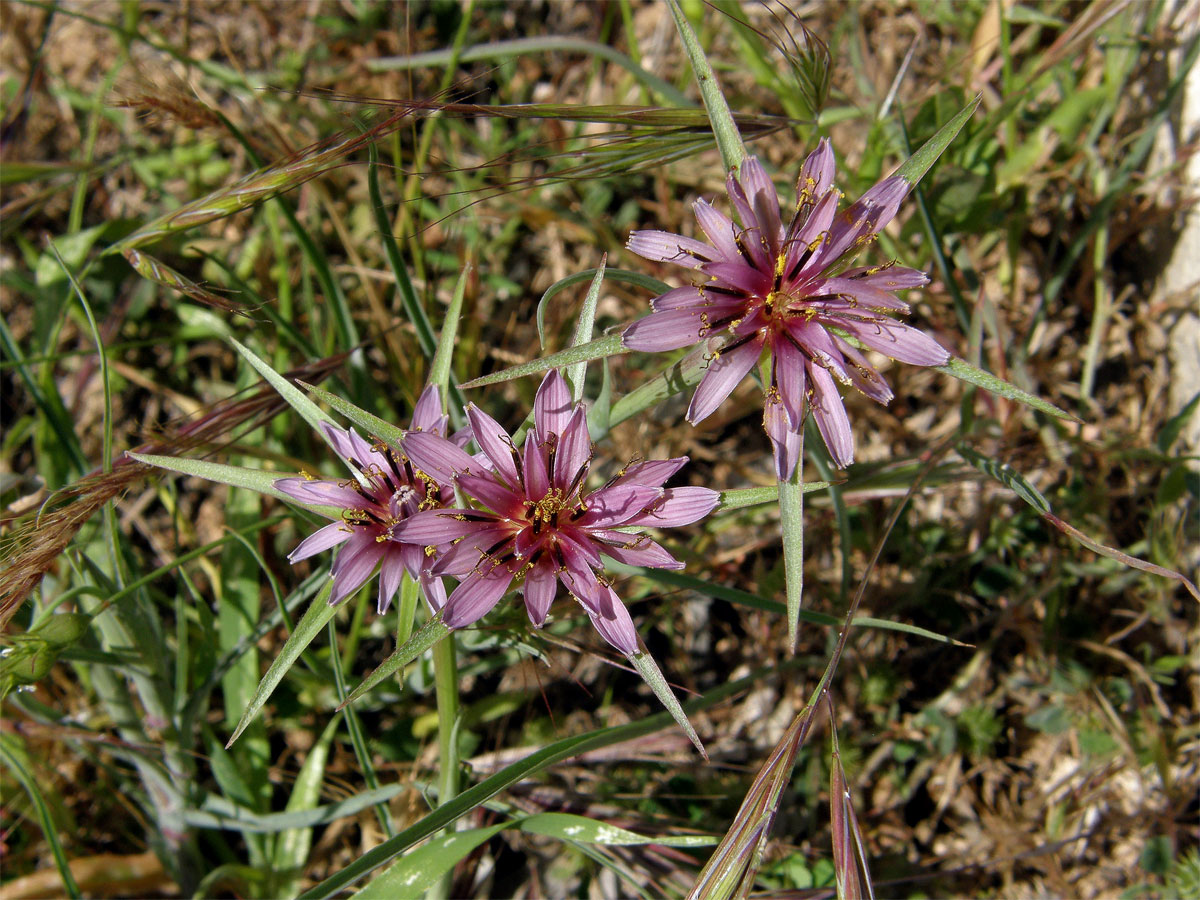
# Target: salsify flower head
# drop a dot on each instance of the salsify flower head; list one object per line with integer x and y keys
{"x": 781, "y": 284}
{"x": 539, "y": 523}
{"x": 385, "y": 490}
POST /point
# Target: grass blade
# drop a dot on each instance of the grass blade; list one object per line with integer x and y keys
{"x": 319, "y": 612}
{"x": 597, "y": 349}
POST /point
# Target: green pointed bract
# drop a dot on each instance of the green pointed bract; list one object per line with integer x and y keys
{"x": 653, "y": 677}
{"x": 583, "y": 330}
{"x": 914, "y": 168}
{"x": 429, "y": 634}
{"x": 964, "y": 371}
{"x": 309, "y": 411}
{"x": 635, "y": 278}
{"x": 318, "y": 614}
{"x": 439, "y": 369}
{"x": 234, "y": 476}
{"x": 369, "y": 422}
{"x": 597, "y": 349}
{"x": 791, "y": 518}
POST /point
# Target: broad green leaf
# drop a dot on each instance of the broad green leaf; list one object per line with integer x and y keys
{"x": 368, "y": 422}
{"x": 583, "y": 330}
{"x": 537, "y": 761}
{"x": 725, "y": 130}
{"x": 1007, "y": 476}
{"x": 914, "y": 168}
{"x": 653, "y": 677}
{"x": 568, "y": 827}
{"x": 425, "y": 866}
{"x": 293, "y": 845}
{"x": 318, "y": 613}
{"x": 597, "y": 349}
{"x": 636, "y": 278}
{"x": 431, "y": 632}
{"x": 964, "y": 371}
{"x": 220, "y": 813}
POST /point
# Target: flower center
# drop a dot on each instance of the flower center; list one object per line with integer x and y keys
{"x": 545, "y": 511}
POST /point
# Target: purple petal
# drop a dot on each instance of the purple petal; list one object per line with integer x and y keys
{"x": 552, "y": 405}
{"x": 427, "y": 413}
{"x": 437, "y": 457}
{"x": 746, "y": 279}
{"x": 816, "y": 175}
{"x": 651, "y": 472}
{"x": 537, "y": 472}
{"x": 800, "y": 262}
{"x": 667, "y": 330}
{"x": 434, "y": 527}
{"x": 322, "y": 493}
{"x": 663, "y": 246}
{"x": 900, "y": 342}
{"x": 503, "y": 501}
{"x": 641, "y": 552}
{"x": 760, "y": 191}
{"x": 577, "y": 548}
{"x": 719, "y": 229}
{"x": 390, "y": 571}
{"x": 832, "y": 421}
{"x": 322, "y": 539}
{"x": 354, "y": 566}
{"x": 574, "y": 452}
{"x": 888, "y": 278}
{"x": 349, "y": 445}
{"x": 475, "y": 597}
{"x": 679, "y": 506}
{"x": 617, "y": 504}
{"x": 881, "y": 203}
{"x": 679, "y": 298}
{"x": 470, "y": 554}
{"x": 581, "y": 581}
{"x": 788, "y": 377}
{"x": 785, "y": 442}
{"x": 819, "y": 345}
{"x": 541, "y": 584}
{"x": 495, "y": 442}
{"x": 865, "y": 377}
{"x": 614, "y": 624}
{"x": 723, "y": 375}
{"x": 853, "y": 295}
{"x": 434, "y": 590}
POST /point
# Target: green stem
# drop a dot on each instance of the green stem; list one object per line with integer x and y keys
{"x": 445, "y": 680}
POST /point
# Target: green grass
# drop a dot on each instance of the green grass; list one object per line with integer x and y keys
{"x": 1020, "y": 721}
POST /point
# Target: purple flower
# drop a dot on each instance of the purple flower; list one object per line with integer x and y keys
{"x": 786, "y": 289}
{"x": 539, "y": 523}
{"x": 386, "y": 489}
